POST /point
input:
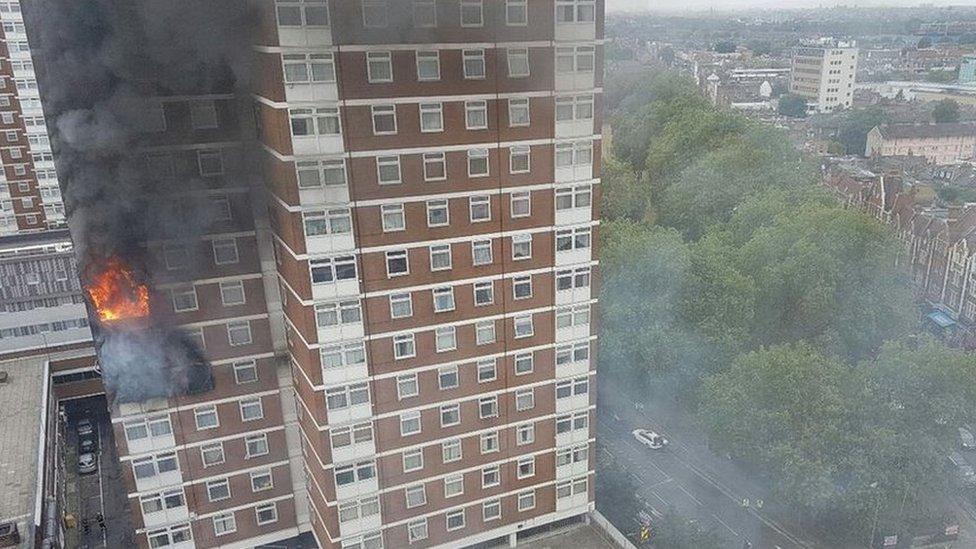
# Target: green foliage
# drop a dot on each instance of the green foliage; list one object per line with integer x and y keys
{"x": 945, "y": 111}
{"x": 624, "y": 196}
{"x": 673, "y": 531}
{"x": 955, "y": 195}
{"x": 924, "y": 43}
{"x": 725, "y": 46}
{"x": 853, "y": 131}
{"x": 792, "y": 105}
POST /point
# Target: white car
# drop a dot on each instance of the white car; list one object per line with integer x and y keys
{"x": 650, "y": 439}
{"x": 87, "y": 464}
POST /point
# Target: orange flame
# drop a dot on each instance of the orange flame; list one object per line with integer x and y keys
{"x": 116, "y": 294}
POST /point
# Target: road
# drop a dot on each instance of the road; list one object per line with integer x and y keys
{"x": 688, "y": 477}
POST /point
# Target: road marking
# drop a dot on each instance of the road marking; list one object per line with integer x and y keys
{"x": 722, "y": 522}
{"x": 687, "y": 493}
{"x": 659, "y": 498}
{"x": 656, "y": 484}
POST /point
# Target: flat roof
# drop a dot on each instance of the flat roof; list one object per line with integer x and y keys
{"x": 580, "y": 535}
{"x": 22, "y": 397}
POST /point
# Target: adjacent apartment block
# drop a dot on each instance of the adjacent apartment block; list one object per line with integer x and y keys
{"x": 936, "y": 143}
{"x": 433, "y": 169}
{"x": 824, "y": 75}
{"x": 30, "y": 198}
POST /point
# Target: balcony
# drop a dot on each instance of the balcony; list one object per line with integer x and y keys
{"x": 354, "y": 452}
{"x": 160, "y": 480}
{"x": 166, "y": 516}
{"x": 344, "y": 375}
{"x": 573, "y": 402}
{"x": 311, "y": 91}
{"x": 576, "y": 436}
{"x": 358, "y": 489}
{"x": 572, "y": 469}
{"x": 324, "y": 194}
{"x": 574, "y": 216}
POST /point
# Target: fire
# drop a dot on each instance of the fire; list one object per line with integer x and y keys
{"x": 115, "y": 293}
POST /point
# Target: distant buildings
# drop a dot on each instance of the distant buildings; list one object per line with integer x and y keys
{"x": 967, "y": 69}
{"x": 937, "y": 143}
{"x": 824, "y": 75}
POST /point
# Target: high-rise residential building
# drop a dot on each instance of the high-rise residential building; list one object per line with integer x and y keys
{"x": 30, "y": 198}
{"x": 433, "y": 167}
{"x": 824, "y": 75}
{"x": 399, "y": 322}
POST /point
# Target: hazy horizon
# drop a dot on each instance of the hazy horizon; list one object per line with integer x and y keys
{"x": 682, "y": 5}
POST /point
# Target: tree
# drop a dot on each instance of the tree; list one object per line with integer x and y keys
{"x": 666, "y": 55}
{"x": 725, "y": 46}
{"x": 855, "y": 125}
{"x": 924, "y": 43}
{"x": 673, "y": 531}
{"x": 945, "y": 111}
{"x": 624, "y": 196}
{"x": 792, "y": 105}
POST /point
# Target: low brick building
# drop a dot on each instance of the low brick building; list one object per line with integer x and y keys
{"x": 937, "y": 143}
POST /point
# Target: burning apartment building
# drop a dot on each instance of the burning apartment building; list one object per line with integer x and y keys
{"x": 338, "y": 258}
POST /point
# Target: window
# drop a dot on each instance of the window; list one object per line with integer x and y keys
{"x": 522, "y": 287}
{"x": 450, "y": 415}
{"x": 343, "y": 437}
{"x": 206, "y": 417}
{"x": 331, "y": 269}
{"x": 413, "y": 461}
{"x": 363, "y": 508}
{"x": 518, "y": 62}
{"x": 409, "y": 423}
{"x": 396, "y": 263}
{"x": 160, "y": 501}
{"x": 525, "y": 434}
{"x": 252, "y": 410}
{"x": 519, "y": 159}
{"x": 569, "y": 108}
{"x": 438, "y": 214}
{"x": 379, "y": 67}
{"x": 575, "y": 59}
{"x": 447, "y": 378}
{"x": 262, "y": 480}
{"x": 481, "y": 252}
{"x": 295, "y": 15}
{"x": 403, "y": 346}
{"x": 424, "y": 13}
{"x": 516, "y": 13}
{"x": 218, "y": 490}
{"x": 575, "y": 11}
{"x": 203, "y": 115}
{"x": 305, "y": 68}
{"x": 225, "y": 251}
{"x": 455, "y": 519}
{"x": 417, "y": 530}
{"x": 488, "y": 407}
{"x": 440, "y": 257}
{"x": 476, "y": 115}
{"x": 477, "y": 162}
{"x": 573, "y": 239}
{"x": 523, "y": 364}
{"x": 224, "y": 523}
{"x": 428, "y": 65}
{"x": 451, "y": 450}
{"x": 568, "y": 198}
{"x": 491, "y": 510}
{"x": 521, "y": 247}
{"x": 172, "y": 535}
{"x": 401, "y": 305}
{"x": 315, "y": 173}
{"x": 518, "y": 112}
{"x": 266, "y": 514}
{"x": 435, "y": 167}
{"x": 196, "y": 336}
{"x": 347, "y": 354}
{"x": 334, "y": 314}
{"x": 525, "y": 399}
{"x": 484, "y": 293}
{"x": 485, "y": 332}
{"x": 232, "y": 293}
{"x": 374, "y": 13}
{"x": 443, "y": 299}
{"x": 474, "y": 64}
{"x": 445, "y": 339}
{"x": 388, "y": 169}
{"x": 239, "y": 333}
{"x": 578, "y": 352}
{"x": 393, "y": 217}
{"x": 184, "y": 299}
{"x": 325, "y": 222}
{"x": 256, "y": 446}
{"x": 210, "y": 163}
{"x": 431, "y": 117}
{"x": 490, "y": 477}
{"x": 486, "y": 370}
{"x": 358, "y": 472}
{"x": 471, "y": 13}
{"x": 407, "y": 386}
{"x": 319, "y": 121}
{"x": 523, "y": 326}
{"x": 526, "y": 500}
{"x": 339, "y": 398}
{"x": 480, "y": 207}
{"x": 453, "y": 486}
{"x": 159, "y": 464}
{"x": 384, "y": 119}
{"x": 211, "y": 454}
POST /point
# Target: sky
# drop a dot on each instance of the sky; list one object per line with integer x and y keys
{"x": 616, "y": 5}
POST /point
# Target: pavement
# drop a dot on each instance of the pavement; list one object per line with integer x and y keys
{"x": 102, "y": 492}
{"x": 582, "y": 536}
{"x": 688, "y": 477}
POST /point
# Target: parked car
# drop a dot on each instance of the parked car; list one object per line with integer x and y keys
{"x": 652, "y": 440}
{"x": 85, "y": 427}
{"x": 87, "y": 464}
{"x": 964, "y": 470}
{"x": 966, "y": 439}
{"x": 88, "y": 444}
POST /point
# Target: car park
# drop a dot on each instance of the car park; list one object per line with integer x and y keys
{"x": 85, "y": 427}
{"x": 966, "y": 439}
{"x": 87, "y": 464}
{"x": 652, "y": 440}
{"x": 88, "y": 444}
